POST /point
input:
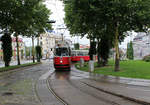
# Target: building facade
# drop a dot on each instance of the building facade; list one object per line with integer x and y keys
{"x": 21, "y": 48}
{"x": 47, "y": 42}
{"x": 141, "y": 45}
{"x": 82, "y": 46}
{"x": 14, "y": 48}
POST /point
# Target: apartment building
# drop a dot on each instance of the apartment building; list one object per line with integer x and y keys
{"x": 141, "y": 45}
{"x": 14, "y": 48}
{"x": 47, "y": 42}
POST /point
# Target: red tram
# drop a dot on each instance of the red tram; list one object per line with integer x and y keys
{"x": 76, "y": 55}
{"x": 62, "y": 59}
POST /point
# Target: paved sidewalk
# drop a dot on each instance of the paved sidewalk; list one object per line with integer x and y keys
{"x": 134, "y": 89}
{"x": 15, "y": 62}
{"x": 18, "y": 87}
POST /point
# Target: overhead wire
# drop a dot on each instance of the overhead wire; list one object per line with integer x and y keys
{"x": 60, "y": 20}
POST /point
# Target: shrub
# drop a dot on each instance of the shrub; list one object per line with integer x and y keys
{"x": 7, "y": 48}
{"x": 38, "y": 53}
{"x": 76, "y": 46}
{"x": 130, "y": 51}
{"x": 147, "y": 58}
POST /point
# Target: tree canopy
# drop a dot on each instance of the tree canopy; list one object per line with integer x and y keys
{"x": 24, "y": 17}
{"x": 107, "y": 20}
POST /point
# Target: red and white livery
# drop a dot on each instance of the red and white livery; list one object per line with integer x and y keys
{"x": 62, "y": 59}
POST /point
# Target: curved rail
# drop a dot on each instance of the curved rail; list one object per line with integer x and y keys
{"x": 49, "y": 86}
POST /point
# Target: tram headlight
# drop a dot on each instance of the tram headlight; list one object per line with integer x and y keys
{"x": 60, "y": 61}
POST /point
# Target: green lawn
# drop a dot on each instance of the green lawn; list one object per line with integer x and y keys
{"x": 132, "y": 69}
{"x": 2, "y": 69}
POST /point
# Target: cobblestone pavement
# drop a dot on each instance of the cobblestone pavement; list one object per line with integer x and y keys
{"x": 17, "y": 87}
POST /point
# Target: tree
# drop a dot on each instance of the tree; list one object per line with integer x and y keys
{"x": 92, "y": 50}
{"x": 130, "y": 54}
{"x": 6, "y": 8}
{"x": 76, "y": 46}
{"x": 103, "y": 51}
{"x": 84, "y": 17}
{"x": 26, "y": 18}
{"x": 111, "y": 18}
{"x": 38, "y": 53}
{"x": 21, "y": 15}
{"x": 7, "y": 48}
{"x": 39, "y": 24}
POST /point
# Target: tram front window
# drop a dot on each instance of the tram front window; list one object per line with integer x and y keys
{"x": 62, "y": 52}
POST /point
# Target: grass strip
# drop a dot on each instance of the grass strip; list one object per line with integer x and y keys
{"x": 2, "y": 69}
{"x": 130, "y": 68}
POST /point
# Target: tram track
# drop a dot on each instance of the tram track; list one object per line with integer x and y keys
{"x": 47, "y": 82}
{"x": 89, "y": 93}
{"x": 108, "y": 92}
{"x": 36, "y": 93}
{"x": 49, "y": 86}
{"x": 83, "y": 88}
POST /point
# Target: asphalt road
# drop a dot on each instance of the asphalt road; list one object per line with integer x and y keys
{"x": 15, "y": 62}
{"x": 40, "y": 85}
{"x": 69, "y": 89}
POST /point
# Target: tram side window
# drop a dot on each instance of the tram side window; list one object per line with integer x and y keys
{"x": 80, "y": 53}
{"x": 73, "y": 53}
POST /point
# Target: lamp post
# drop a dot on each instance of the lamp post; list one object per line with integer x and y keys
{"x": 25, "y": 55}
{"x": 62, "y": 34}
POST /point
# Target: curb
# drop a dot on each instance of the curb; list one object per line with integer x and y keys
{"x": 116, "y": 94}
{"x": 23, "y": 66}
{"x": 120, "y": 95}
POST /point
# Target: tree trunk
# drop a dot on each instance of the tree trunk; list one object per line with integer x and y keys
{"x": 38, "y": 44}
{"x": 91, "y": 55}
{"x": 6, "y": 65}
{"x": 117, "y": 60}
{"x": 98, "y": 54}
{"x": 18, "y": 56}
{"x": 33, "y": 50}
{"x": 99, "y": 60}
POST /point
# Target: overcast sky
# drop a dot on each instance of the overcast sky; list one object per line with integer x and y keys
{"x": 58, "y": 14}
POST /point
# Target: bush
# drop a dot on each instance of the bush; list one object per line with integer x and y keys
{"x": 38, "y": 53}
{"x": 147, "y": 58}
{"x": 7, "y": 48}
{"x": 130, "y": 52}
{"x": 76, "y": 46}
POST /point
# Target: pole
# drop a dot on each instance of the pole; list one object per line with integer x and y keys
{"x": 62, "y": 37}
{"x": 25, "y": 51}
{"x": 30, "y": 50}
